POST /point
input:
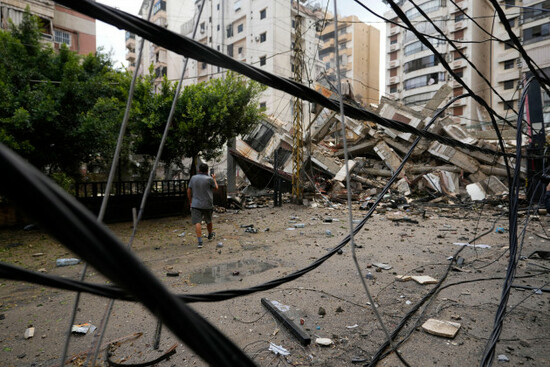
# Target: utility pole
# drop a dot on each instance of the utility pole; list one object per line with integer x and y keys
{"x": 297, "y": 125}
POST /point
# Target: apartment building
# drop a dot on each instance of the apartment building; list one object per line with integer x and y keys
{"x": 414, "y": 74}
{"x": 260, "y": 33}
{"x": 170, "y": 14}
{"x": 60, "y": 25}
{"x": 359, "y": 52}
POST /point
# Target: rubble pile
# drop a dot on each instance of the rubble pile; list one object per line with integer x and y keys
{"x": 435, "y": 172}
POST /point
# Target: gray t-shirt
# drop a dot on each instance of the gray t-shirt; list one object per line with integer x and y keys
{"x": 201, "y": 186}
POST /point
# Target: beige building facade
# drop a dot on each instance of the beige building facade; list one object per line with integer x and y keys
{"x": 359, "y": 52}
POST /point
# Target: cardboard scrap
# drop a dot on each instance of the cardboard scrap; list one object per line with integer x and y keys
{"x": 420, "y": 279}
{"x": 447, "y": 329}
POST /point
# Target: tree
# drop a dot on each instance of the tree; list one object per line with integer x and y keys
{"x": 58, "y": 109}
{"x": 207, "y": 115}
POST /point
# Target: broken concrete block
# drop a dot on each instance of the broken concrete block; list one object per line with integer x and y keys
{"x": 432, "y": 181}
{"x": 477, "y": 176}
{"x": 341, "y": 175}
{"x": 476, "y": 191}
{"x": 424, "y": 279}
{"x": 29, "y": 333}
{"x": 447, "y": 329}
{"x": 449, "y": 182}
{"x": 495, "y": 186}
{"x": 454, "y": 156}
{"x": 458, "y": 133}
{"x": 388, "y": 155}
{"x": 403, "y": 187}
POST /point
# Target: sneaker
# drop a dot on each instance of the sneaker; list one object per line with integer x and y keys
{"x": 211, "y": 235}
{"x": 199, "y": 245}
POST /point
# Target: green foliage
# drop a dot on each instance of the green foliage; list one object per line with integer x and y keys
{"x": 207, "y": 115}
{"x": 58, "y": 109}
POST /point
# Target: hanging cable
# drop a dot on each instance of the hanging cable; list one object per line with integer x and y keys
{"x": 196, "y": 50}
{"x": 489, "y": 352}
{"x": 108, "y": 187}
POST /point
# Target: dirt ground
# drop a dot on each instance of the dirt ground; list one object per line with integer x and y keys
{"x": 330, "y": 300}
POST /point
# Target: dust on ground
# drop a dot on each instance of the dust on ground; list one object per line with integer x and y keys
{"x": 330, "y": 300}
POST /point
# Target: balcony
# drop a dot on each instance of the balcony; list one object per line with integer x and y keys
{"x": 394, "y": 80}
{"x": 393, "y": 64}
{"x": 131, "y": 55}
{"x": 394, "y": 47}
{"x": 130, "y": 40}
{"x": 458, "y": 26}
{"x": 460, "y": 63}
{"x": 394, "y": 30}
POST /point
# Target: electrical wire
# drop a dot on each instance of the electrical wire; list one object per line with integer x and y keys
{"x": 195, "y": 50}
{"x": 489, "y": 352}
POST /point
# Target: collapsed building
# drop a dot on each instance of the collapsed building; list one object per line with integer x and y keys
{"x": 375, "y": 153}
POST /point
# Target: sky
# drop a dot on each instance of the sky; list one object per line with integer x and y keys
{"x": 112, "y": 39}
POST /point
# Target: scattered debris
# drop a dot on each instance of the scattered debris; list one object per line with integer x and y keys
{"x": 420, "y": 279}
{"x": 277, "y": 349}
{"x": 324, "y": 341}
{"x": 470, "y": 245}
{"x": 382, "y": 266}
{"x": 503, "y": 358}
{"x": 83, "y": 328}
{"x": 29, "y": 333}
{"x": 66, "y": 262}
{"x": 447, "y": 329}
{"x": 279, "y": 311}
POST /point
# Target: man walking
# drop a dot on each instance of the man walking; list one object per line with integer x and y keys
{"x": 200, "y": 196}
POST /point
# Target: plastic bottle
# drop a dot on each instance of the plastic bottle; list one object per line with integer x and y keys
{"x": 66, "y": 262}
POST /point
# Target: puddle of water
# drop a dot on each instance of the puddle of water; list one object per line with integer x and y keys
{"x": 224, "y": 272}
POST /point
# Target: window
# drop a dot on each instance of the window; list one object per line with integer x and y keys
{"x": 62, "y": 37}
{"x": 418, "y": 99}
{"x": 537, "y": 33}
{"x": 512, "y": 22}
{"x": 458, "y": 111}
{"x": 263, "y": 13}
{"x": 263, "y": 37}
{"x": 159, "y": 5}
{"x": 459, "y": 72}
{"x": 237, "y": 5}
{"x": 509, "y": 84}
{"x": 508, "y": 64}
{"x": 240, "y": 51}
{"x": 218, "y": 6}
{"x": 202, "y": 27}
{"x": 203, "y": 65}
{"x": 293, "y": 23}
{"x": 262, "y": 60}
{"x": 229, "y": 31}
{"x": 218, "y": 27}
{"x": 509, "y": 3}
{"x": 421, "y": 63}
{"x": 423, "y": 80}
{"x": 458, "y": 55}
{"x": 342, "y": 46}
{"x": 536, "y": 11}
{"x": 263, "y": 106}
{"x": 240, "y": 28}
{"x": 393, "y": 40}
{"x": 427, "y": 7}
{"x": 509, "y": 105}
{"x": 508, "y": 44}
{"x": 418, "y": 46}
{"x": 393, "y": 88}
{"x": 459, "y": 35}
{"x": 393, "y": 56}
{"x": 459, "y": 17}
{"x": 230, "y": 50}
{"x": 282, "y": 156}
{"x": 393, "y": 72}
{"x": 260, "y": 136}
